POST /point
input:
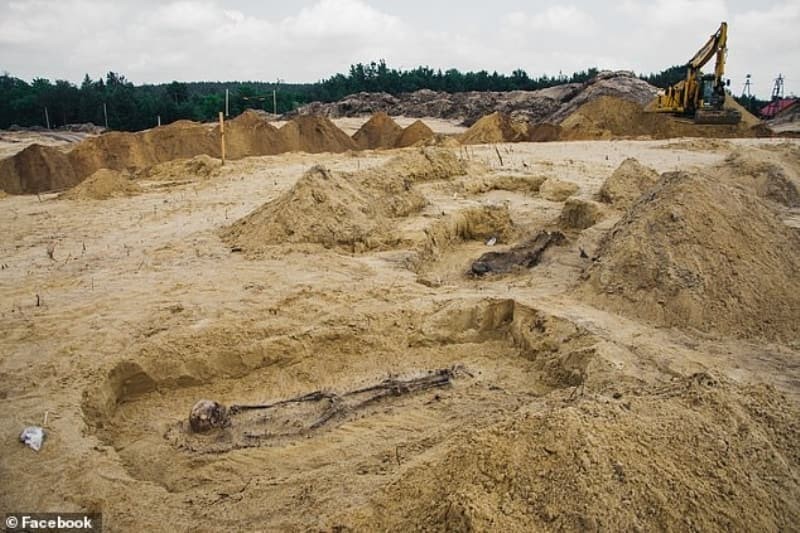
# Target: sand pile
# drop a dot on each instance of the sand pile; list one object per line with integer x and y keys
{"x": 557, "y": 190}
{"x": 504, "y": 182}
{"x": 416, "y": 132}
{"x": 200, "y": 167}
{"x": 773, "y": 175}
{"x": 102, "y": 185}
{"x": 354, "y": 211}
{"x": 251, "y": 134}
{"x": 691, "y": 455}
{"x": 36, "y": 168}
{"x": 380, "y": 131}
{"x": 580, "y": 214}
{"x": 494, "y": 128}
{"x": 427, "y": 164}
{"x": 313, "y": 134}
{"x": 627, "y": 183}
{"x": 609, "y": 117}
{"x": 696, "y": 253}
{"x": 40, "y": 168}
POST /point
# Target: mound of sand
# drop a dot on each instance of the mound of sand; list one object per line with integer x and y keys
{"x": 609, "y": 117}
{"x": 606, "y": 464}
{"x": 494, "y": 128}
{"x": 505, "y": 182}
{"x": 580, "y": 214}
{"x": 696, "y": 253}
{"x": 557, "y": 190}
{"x": 414, "y": 133}
{"x": 772, "y": 175}
{"x": 354, "y": 211}
{"x": 102, "y": 185}
{"x": 197, "y": 168}
{"x": 36, "y": 168}
{"x": 314, "y": 134}
{"x": 426, "y": 164}
{"x": 252, "y": 134}
{"x": 380, "y": 131}
{"x": 627, "y": 183}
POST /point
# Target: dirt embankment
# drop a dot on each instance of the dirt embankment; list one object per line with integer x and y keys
{"x": 549, "y": 105}
{"x": 41, "y": 168}
{"x": 694, "y": 252}
{"x": 610, "y": 117}
{"x": 354, "y": 211}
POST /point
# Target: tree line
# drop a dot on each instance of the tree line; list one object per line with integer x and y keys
{"x": 118, "y": 103}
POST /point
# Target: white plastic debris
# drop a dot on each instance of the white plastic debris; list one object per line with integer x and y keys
{"x": 492, "y": 241}
{"x": 33, "y": 437}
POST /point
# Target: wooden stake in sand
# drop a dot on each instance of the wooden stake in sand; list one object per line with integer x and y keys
{"x": 222, "y": 135}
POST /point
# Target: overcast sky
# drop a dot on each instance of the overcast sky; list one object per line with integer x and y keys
{"x": 306, "y": 40}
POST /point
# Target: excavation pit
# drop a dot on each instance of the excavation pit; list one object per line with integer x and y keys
{"x": 333, "y": 398}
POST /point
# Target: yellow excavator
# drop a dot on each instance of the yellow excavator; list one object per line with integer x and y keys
{"x": 699, "y": 96}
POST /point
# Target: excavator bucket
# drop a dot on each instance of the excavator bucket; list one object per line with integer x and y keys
{"x": 717, "y": 116}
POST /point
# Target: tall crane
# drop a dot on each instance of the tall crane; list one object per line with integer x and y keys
{"x": 700, "y": 96}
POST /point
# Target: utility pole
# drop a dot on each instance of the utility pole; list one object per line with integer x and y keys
{"x": 746, "y": 93}
{"x": 46, "y": 117}
{"x": 105, "y": 113}
{"x": 227, "y": 102}
{"x": 274, "y": 96}
{"x": 222, "y": 136}
{"x": 777, "y": 89}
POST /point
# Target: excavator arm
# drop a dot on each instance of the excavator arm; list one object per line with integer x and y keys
{"x": 703, "y": 98}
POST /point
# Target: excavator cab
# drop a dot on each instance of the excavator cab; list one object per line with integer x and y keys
{"x": 710, "y": 108}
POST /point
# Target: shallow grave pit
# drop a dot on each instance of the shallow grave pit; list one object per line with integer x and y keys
{"x": 495, "y": 354}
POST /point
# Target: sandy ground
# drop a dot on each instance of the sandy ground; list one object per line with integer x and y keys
{"x": 143, "y": 310}
{"x": 12, "y": 142}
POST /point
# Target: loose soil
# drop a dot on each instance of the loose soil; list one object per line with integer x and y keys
{"x": 640, "y": 374}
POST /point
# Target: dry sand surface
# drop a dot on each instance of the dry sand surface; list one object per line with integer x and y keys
{"x": 641, "y": 374}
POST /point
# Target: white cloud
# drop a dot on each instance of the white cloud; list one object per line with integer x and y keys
{"x": 154, "y": 41}
{"x": 563, "y": 19}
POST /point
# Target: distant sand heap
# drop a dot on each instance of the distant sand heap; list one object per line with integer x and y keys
{"x": 495, "y": 128}
{"x": 41, "y": 168}
{"x": 315, "y": 134}
{"x": 354, "y": 211}
{"x": 694, "y": 252}
{"x": 380, "y": 131}
{"x": 415, "y": 133}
